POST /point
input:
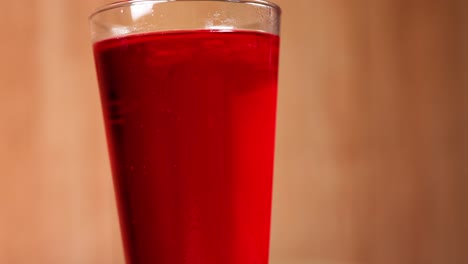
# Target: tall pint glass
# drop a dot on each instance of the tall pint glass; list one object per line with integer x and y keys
{"x": 188, "y": 91}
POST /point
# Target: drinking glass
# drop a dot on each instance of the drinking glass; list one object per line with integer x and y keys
{"x": 188, "y": 91}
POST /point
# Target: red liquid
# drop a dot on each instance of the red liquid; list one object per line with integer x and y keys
{"x": 190, "y": 118}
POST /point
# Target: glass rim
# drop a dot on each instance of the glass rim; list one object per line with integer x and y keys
{"x": 124, "y": 3}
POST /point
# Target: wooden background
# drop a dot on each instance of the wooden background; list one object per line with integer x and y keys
{"x": 372, "y": 156}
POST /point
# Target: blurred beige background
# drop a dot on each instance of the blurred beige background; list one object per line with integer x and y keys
{"x": 372, "y": 156}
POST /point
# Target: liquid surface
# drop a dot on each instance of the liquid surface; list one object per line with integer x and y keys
{"x": 190, "y": 121}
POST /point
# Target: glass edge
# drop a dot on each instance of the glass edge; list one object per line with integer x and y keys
{"x": 118, "y": 4}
